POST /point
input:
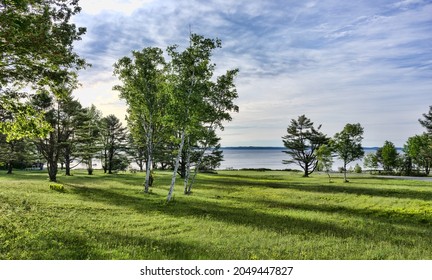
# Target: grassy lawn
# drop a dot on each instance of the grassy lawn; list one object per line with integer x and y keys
{"x": 230, "y": 215}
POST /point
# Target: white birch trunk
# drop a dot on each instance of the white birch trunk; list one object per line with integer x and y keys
{"x": 148, "y": 171}
{"x": 187, "y": 175}
{"x": 189, "y": 189}
{"x": 173, "y": 179}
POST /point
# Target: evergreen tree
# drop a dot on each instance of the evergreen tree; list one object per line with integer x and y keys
{"x": 56, "y": 107}
{"x": 113, "y": 136}
{"x": 427, "y": 121}
{"x": 88, "y": 136}
{"x": 302, "y": 143}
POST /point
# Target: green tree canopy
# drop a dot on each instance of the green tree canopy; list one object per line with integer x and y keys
{"x": 419, "y": 149}
{"x": 387, "y": 155}
{"x": 194, "y": 102}
{"x": 36, "y": 49}
{"x": 347, "y": 144}
{"x": 144, "y": 89}
{"x": 36, "y": 41}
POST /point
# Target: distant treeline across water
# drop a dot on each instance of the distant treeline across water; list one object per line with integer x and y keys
{"x": 270, "y": 158}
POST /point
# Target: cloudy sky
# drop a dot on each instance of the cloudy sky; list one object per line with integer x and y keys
{"x": 337, "y": 62}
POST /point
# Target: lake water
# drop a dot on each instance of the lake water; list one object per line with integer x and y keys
{"x": 271, "y": 158}
{"x": 257, "y": 157}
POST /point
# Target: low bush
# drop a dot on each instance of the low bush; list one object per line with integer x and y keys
{"x": 56, "y": 187}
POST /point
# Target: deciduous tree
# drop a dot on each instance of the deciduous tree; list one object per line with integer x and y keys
{"x": 387, "y": 156}
{"x": 36, "y": 49}
{"x": 145, "y": 91}
{"x": 419, "y": 149}
{"x": 191, "y": 74}
{"x": 347, "y": 145}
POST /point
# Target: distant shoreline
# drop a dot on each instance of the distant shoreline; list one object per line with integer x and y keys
{"x": 280, "y": 148}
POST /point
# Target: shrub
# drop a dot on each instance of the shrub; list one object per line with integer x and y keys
{"x": 56, "y": 187}
{"x": 357, "y": 169}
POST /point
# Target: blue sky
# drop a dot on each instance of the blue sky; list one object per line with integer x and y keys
{"x": 337, "y": 62}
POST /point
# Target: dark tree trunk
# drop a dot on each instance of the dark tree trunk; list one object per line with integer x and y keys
{"x": 110, "y": 161}
{"x": 345, "y": 172}
{"x": 52, "y": 170}
{"x": 306, "y": 170}
{"x": 67, "y": 163}
{"x": 9, "y": 167}
{"x": 90, "y": 167}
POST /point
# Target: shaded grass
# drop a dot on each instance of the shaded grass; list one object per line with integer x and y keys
{"x": 230, "y": 215}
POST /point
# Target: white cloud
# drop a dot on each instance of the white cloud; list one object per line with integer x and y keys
{"x": 337, "y": 62}
{"x": 126, "y": 7}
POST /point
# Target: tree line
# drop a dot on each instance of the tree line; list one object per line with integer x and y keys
{"x": 311, "y": 149}
{"x": 174, "y": 106}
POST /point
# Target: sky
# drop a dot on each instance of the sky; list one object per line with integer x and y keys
{"x": 337, "y": 62}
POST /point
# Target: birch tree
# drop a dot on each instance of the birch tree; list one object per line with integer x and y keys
{"x": 144, "y": 89}
{"x": 193, "y": 92}
{"x": 218, "y": 105}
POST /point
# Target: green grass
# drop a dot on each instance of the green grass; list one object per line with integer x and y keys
{"x": 230, "y": 215}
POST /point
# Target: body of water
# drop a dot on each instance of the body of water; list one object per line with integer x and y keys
{"x": 258, "y": 157}
{"x": 269, "y": 157}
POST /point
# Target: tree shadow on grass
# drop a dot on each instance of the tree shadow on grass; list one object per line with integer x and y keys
{"x": 194, "y": 208}
{"x": 226, "y": 182}
{"x": 124, "y": 179}
{"x": 283, "y": 223}
{"x": 139, "y": 246}
{"x": 418, "y": 220}
{"x": 55, "y": 245}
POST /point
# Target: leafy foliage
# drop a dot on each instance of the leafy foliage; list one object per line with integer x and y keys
{"x": 37, "y": 41}
{"x": 387, "y": 155}
{"x": 347, "y": 144}
{"x": 144, "y": 89}
{"x": 419, "y": 149}
{"x": 36, "y": 49}
{"x": 197, "y": 103}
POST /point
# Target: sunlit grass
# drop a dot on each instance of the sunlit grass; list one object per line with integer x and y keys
{"x": 230, "y": 215}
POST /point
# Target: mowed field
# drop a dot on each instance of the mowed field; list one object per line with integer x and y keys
{"x": 230, "y": 215}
